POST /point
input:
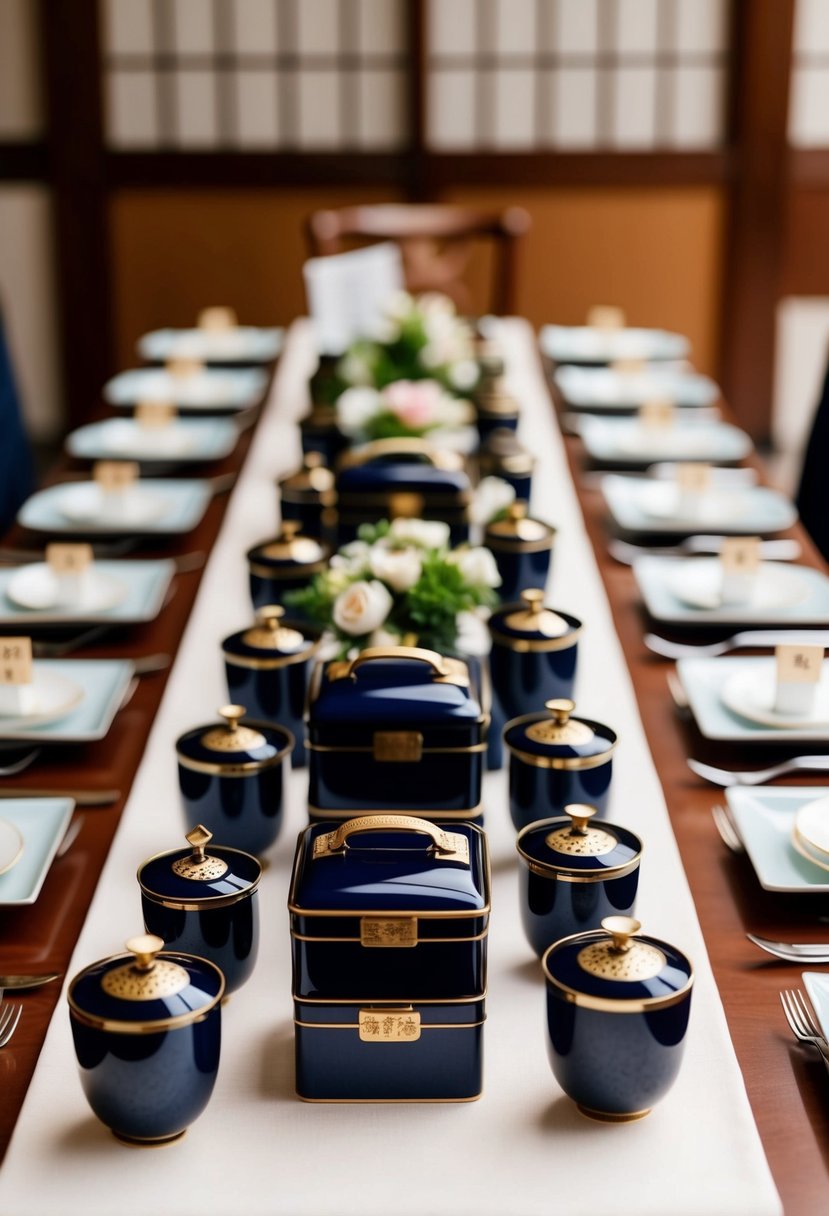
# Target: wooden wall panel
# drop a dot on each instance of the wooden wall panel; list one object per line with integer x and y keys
{"x": 656, "y": 252}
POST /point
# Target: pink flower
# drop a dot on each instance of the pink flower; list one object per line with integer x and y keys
{"x": 415, "y": 402}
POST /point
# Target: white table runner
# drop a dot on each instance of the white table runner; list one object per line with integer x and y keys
{"x": 523, "y": 1149}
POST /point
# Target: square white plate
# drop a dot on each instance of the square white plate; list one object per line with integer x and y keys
{"x": 817, "y": 986}
{"x": 628, "y": 441}
{"x": 104, "y": 683}
{"x": 183, "y": 441}
{"x": 182, "y": 501}
{"x": 588, "y": 344}
{"x": 764, "y": 816}
{"x": 212, "y": 388}
{"x": 146, "y": 584}
{"x": 608, "y": 391}
{"x": 703, "y": 680}
{"x": 241, "y": 344}
{"x": 639, "y": 504}
{"x": 655, "y": 576}
{"x": 42, "y": 823}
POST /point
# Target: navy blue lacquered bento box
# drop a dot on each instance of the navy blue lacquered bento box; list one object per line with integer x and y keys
{"x": 390, "y": 908}
{"x": 408, "y": 478}
{"x": 397, "y": 728}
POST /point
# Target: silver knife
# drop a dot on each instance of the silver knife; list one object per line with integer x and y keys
{"x": 28, "y": 981}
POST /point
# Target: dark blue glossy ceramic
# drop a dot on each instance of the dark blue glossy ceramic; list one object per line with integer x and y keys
{"x": 267, "y": 669}
{"x": 308, "y": 497}
{"x": 376, "y": 1052}
{"x": 556, "y": 759}
{"x": 286, "y": 563}
{"x": 502, "y": 455}
{"x": 615, "y": 1044}
{"x": 574, "y": 873}
{"x": 205, "y": 902}
{"x": 397, "y": 728}
{"x": 147, "y": 1065}
{"x": 522, "y": 549}
{"x": 391, "y": 478}
{"x": 231, "y": 779}
{"x": 534, "y": 654}
{"x": 380, "y": 909}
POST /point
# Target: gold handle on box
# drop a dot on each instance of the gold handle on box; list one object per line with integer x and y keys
{"x": 417, "y": 653}
{"x": 449, "y": 846}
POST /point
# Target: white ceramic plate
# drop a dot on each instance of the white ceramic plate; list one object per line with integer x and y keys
{"x": 777, "y": 587}
{"x": 703, "y": 680}
{"x": 588, "y": 344}
{"x": 812, "y": 825}
{"x": 184, "y": 440}
{"x": 11, "y": 845}
{"x": 42, "y": 823}
{"x": 57, "y": 696}
{"x": 606, "y": 390}
{"x": 212, "y": 388}
{"x": 186, "y": 500}
{"x": 639, "y": 504}
{"x": 817, "y": 987}
{"x": 241, "y": 344}
{"x": 629, "y": 441}
{"x": 86, "y": 504}
{"x": 36, "y": 587}
{"x": 764, "y": 816}
{"x": 751, "y": 693}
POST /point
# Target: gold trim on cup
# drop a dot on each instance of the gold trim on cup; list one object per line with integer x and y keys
{"x": 602, "y": 1004}
{"x": 563, "y": 873}
{"x": 115, "y": 1026}
{"x": 243, "y": 768}
{"x": 198, "y": 903}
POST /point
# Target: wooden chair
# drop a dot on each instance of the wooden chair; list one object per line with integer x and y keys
{"x": 436, "y": 241}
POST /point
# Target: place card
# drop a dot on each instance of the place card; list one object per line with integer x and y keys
{"x": 693, "y": 479}
{"x": 116, "y": 480}
{"x": 606, "y": 316}
{"x": 629, "y": 367}
{"x": 799, "y": 669}
{"x": 183, "y": 369}
{"x": 216, "y": 319}
{"x": 17, "y": 694}
{"x": 657, "y": 414}
{"x": 740, "y": 565}
{"x": 71, "y": 564}
{"x": 152, "y": 415}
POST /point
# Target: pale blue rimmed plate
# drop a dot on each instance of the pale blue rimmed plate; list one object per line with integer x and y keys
{"x": 179, "y": 505}
{"x": 104, "y": 683}
{"x": 42, "y": 823}
{"x": 764, "y": 817}
{"x": 606, "y": 390}
{"x": 589, "y": 344}
{"x": 706, "y": 680}
{"x": 797, "y": 595}
{"x": 211, "y": 388}
{"x": 241, "y": 344}
{"x": 144, "y": 583}
{"x": 817, "y": 986}
{"x": 628, "y": 441}
{"x": 182, "y": 441}
{"x": 639, "y": 504}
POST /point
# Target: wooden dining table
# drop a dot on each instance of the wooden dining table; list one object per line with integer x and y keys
{"x": 787, "y": 1085}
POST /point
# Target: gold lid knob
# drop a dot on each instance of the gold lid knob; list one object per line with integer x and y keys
{"x": 517, "y": 510}
{"x": 622, "y": 929}
{"x": 533, "y": 597}
{"x": 232, "y": 737}
{"x": 270, "y": 615}
{"x": 560, "y": 708}
{"x": 288, "y": 529}
{"x": 199, "y": 838}
{"x": 232, "y": 715}
{"x": 580, "y": 813}
{"x": 313, "y": 460}
{"x": 198, "y": 866}
{"x": 145, "y": 948}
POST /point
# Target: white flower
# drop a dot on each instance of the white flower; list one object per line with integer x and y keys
{"x": 477, "y": 566}
{"x": 362, "y": 608}
{"x": 461, "y": 439}
{"x": 355, "y": 407}
{"x": 383, "y": 329}
{"x": 399, "y": 305}
{"x": 473, "y": 635}
{"x": 400, "y": 568}
{"x": 435, "y": 304}
{"x": 355, "y": 369}
{"x": 463, "y": 374}
{"x": 384, "y": 637}
{"x": 428, "y": 534}
{"x": 492, "y": 496}
{"x": 352, "y": 558}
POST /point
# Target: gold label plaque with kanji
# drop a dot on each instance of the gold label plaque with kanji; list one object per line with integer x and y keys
{"x": 389, "y": 1026}
{"x": 397, "y": 746}
{"x": 388, "y": 931}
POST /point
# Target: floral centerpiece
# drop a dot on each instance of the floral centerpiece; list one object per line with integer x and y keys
{"x": 401, "y": 584}
{"x": 416, "y": 338}
{"x": 407, "y": 409}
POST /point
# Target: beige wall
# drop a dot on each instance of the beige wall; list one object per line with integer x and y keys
{"x": 656, "y": 252}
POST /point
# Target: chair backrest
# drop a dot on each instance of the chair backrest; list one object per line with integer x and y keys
{"x": 436, "y": 241}
{"x": 17, "y": 479}
{"x": 813, "y": 493}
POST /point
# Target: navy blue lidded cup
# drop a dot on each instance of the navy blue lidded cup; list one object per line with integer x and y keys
{"x": 618, "y": 1005}
{"x": 147, "y": 1033}
{"x": 504, "y": 456}
{"x": 556, "y": 759}
{"x": 309, "y": 496}
{"x": 522, "y": 548}
{"x": 231, "y": 778}
{"x": 205, "y": 903}
{"x": 576, "y": 870}
{"x": 267, "y": 668}
{"x": 533, "y": 656}
{"x": 286, "y": 563}
{"x": 496, "y": 407}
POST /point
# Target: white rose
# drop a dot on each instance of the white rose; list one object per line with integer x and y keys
{"x": 461, "y": 439}
{"x": 355, "y": 369}
{"x": 477, "y": 566}
{"x": 400, "y": 568}
{"x": 429, "y": 534}
{"x": 492, "y": 496}
{"x": 362, "y": 608}
{"x": 352, "y": 558}
{"x": 463, "y": 375}
{"x": 435, "y": 304}
{"x": 355, "y": 407}
{"x": 473, "y": 635}
{"x": 399, "y": 305}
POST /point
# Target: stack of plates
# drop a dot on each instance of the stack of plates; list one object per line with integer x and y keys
{"x": 589, "y": 344}
{"x": 631, "y": 442}
{"x": 186, "y": 439}
{"x": 643, "y": 505}
{"x": 240, "y": 344}
{"x": 810, "y": 832}
{"x": 732, "y": 699}
{"x": 209, "y": 388}
{"x": 607, "y": 390}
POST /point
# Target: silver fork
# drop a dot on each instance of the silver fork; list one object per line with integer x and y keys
{"x": 802, "y": 1023}
{"x": 727, "y": 829}
{"x": 792, "y": 952}
{"x": 759, "y": 776}
{"x": 678, "y": 694}
{"x": 9, "y": 1017}
{"x": 770, "y": 550}
{"x": 738, "y": 641}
